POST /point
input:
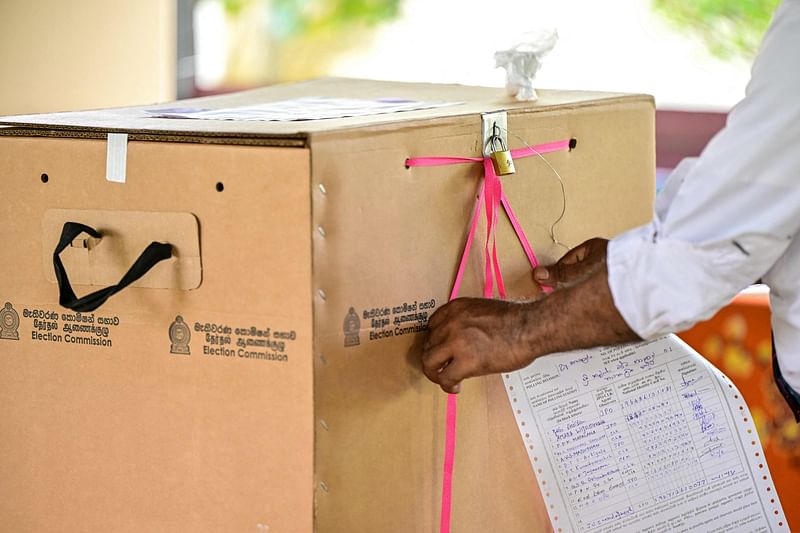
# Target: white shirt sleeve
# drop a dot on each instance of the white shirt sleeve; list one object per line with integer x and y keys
{"x": 728, "y": 216}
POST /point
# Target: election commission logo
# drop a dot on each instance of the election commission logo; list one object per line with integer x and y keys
{"x": 352, "y": 325}
{"x": 179, "y": 337}
{"x": 9, "y": 323}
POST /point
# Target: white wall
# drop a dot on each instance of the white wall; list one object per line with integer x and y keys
{"x": 59, "y": 55}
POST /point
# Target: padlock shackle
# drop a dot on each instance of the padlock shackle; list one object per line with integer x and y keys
{"x": 502, "y": 144}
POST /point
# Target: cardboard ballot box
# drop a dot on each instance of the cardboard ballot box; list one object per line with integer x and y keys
{"x": 264, "y": 377}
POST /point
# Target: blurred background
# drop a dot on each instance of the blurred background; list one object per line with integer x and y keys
{"x": 692, "y": 55}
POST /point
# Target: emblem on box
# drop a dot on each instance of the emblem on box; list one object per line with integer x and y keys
{"x": 9, "y": 323}
{"x": 179, "y": 336}
{"x": 352, "y": 325}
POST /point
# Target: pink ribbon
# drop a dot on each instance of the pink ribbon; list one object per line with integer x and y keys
{"x": 492, "y": 197}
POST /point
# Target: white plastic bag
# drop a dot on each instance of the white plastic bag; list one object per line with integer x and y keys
{"x": 523, "y": 60}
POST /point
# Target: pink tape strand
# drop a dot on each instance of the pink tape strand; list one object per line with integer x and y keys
{"x": 492, "y": 197}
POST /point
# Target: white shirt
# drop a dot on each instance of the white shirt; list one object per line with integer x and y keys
{"x": 729, "y": 217}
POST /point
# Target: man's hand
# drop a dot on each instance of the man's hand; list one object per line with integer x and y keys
{"x": 575, "y": 265}
{"x": 473, "y": 337}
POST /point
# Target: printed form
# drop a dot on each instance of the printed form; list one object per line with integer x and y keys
{"x": 306, "y": 108}
{"x": 643, "y": 437}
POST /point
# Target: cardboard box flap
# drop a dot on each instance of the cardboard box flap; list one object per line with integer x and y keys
{"x": 136, "y": 120}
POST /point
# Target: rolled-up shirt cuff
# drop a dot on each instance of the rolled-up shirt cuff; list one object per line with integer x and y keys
{"x": 664, "y": 285}
{"x": 619, "y": 262}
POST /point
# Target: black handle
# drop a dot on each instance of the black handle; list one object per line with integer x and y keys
{"x": 153, "y": 254}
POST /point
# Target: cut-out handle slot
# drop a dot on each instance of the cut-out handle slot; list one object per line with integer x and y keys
{"x": 152, "y": 255}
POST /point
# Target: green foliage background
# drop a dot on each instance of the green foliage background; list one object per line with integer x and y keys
{"x": 729, "y": 27}
{"x": 309, "y": 17}
{"x": 270, "y": 41}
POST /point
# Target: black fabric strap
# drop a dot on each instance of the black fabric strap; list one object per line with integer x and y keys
{"x": 789, "y": 394}
{"x": 153, "y": 254}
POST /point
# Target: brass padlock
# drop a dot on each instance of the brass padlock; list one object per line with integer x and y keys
{"x": 501, "y": 159}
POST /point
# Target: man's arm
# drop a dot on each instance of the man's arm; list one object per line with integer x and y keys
{"x": 733, "y": 212}
{"x": 734, "y": 216}
{"x": 472, "y": 337}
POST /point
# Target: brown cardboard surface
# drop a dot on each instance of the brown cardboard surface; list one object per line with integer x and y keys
{"x": 394, "y": 235}
{"x": 474, "y": 100}
{"x": 125, "y": 235}
{"x": 131, "y": 437}
{"x": 344, "y": 436}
